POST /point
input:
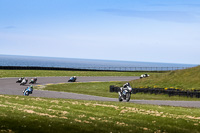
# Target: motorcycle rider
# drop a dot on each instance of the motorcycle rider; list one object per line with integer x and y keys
{"x": 35, "y": 79}
{"x": 24, "y": 80}
{"x": 72, "y": 79}
{"x": 20, "y": 80}
{"x": 125, "y": 86}
{"x": 29, "y": 89}
{"x": 144, "y": 75}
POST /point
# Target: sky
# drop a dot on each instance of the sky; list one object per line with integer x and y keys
{"x": 165, "y": 31}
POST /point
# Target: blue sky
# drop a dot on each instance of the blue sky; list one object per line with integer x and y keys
{"x": 130, "y": 30}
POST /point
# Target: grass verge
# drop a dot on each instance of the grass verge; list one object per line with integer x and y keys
{"x": 187, "y": 79}
{"x": 102, "y": 89}
{"x": 46, "y": 73}
{"x": 28, "y": 114}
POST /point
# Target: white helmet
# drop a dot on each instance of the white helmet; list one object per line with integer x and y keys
{"x": 127, "y": 84}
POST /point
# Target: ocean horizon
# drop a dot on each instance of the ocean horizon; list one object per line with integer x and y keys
{"x": 19, "y": 60}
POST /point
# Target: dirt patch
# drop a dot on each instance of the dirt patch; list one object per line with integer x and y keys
{"x": 63, "y": 117}
{"x": 7, "y": 131}
{"x": 104, "y": 105}
{"x": 77, "y": 120}
{"x": 157, "y": 113}
{"x": 41, "y": 114}
{"x": 1, "y": 105}
{"x": 121, "y": 123}
{"x": 92, "y": 118}
{"x": 86, "y": 121}
{"x": 81, "y": 116}
{"x": 29, "y": 111}
{"x": 54, "y": 101}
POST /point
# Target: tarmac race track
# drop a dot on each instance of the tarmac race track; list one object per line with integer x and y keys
{"x": 10, "y": 87}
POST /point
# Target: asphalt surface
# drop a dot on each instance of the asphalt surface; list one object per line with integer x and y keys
{"x": 10, "y": 87}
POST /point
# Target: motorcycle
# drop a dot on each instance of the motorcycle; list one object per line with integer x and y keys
{"x": 24, "y": 81}
{"x": 33, "y": 81}
{"x": 144, "y": 76}
{"x": 28, "y": 90}
{"x": 19, "y": 80}
{"x": 125, "y": 93}
{"x": 72, "y": 79}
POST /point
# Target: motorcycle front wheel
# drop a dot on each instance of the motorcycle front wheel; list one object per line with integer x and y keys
{"x": 26, "y": 93}
{"x": 120, "y": 99}
{"x": 128, "y": 97}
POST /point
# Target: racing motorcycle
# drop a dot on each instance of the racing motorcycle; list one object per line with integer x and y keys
{"x": 72, "y": 79}
{"x": 125, "y": 93}
{"x": 19, "y": 80}
{"x": 24, "y": 81}
{"x": 33, "y": 81}
{"x": 28, "y": 90}
{"x": 144, "y": 76}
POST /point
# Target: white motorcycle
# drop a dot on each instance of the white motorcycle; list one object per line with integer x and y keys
{"x": 144, "y": 76}
{"x": 24, "y": 81}
{"x": 125, "y": 93}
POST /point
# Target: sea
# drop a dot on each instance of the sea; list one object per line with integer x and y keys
{"x": 16, "y": 60}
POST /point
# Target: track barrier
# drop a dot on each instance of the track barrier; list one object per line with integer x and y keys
{"x": 168, "y": 91}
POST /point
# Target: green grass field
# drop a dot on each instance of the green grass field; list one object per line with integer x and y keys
{"x": 29, "y": 114}
{"x": 102, "y": 89}
{"x": 47, "y": 73}
{"x": 187, "y": 79}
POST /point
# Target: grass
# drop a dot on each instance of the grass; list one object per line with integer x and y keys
{"x": 187, "y": 79}
{"x": 47, "y": 73}
{"x": 102, "y": 89}
{"x": 91, "y": 88}
{"x": 28, "y": 114}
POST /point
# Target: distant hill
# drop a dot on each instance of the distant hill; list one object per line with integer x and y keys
{"x": 187, "y": 79}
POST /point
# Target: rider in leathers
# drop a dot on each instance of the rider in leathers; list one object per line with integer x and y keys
{"x": 124, "y": 87}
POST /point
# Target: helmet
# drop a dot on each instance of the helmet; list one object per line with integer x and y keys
{"x": 127, "y": 84}
{"x": 31, "y": 86}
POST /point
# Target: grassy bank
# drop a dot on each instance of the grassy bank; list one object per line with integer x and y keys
{"x": 102, "y": 89}
{"x": 187, "y": 79}
{"x": 28, "y": 114}
{"x": 46, "y": 73}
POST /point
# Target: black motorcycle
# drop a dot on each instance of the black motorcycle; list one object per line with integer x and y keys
{"x": 33, "y": 81}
